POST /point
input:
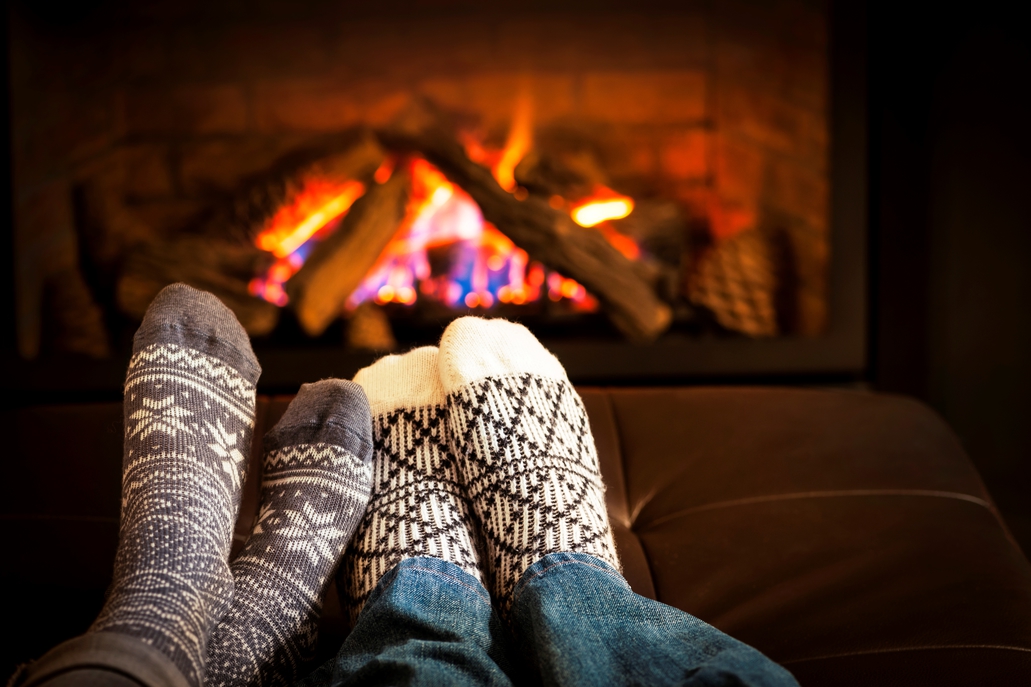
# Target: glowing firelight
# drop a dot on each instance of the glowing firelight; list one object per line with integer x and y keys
{"x": 474, "y": 264}
{"x": 289, "y": 234}
{"x": 594, "y": 212}
{"x": 503, "y": 162}
{"x": 520, "y": 138}
{"x": 315, "y": 207}
{"x": 385, "y": 170}
{"x": 484, "y": 266}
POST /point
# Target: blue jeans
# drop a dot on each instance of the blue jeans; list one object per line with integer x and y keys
{"x": 575, "y": 621}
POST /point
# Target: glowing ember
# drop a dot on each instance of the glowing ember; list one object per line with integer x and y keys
{"x": 385, "y": 170}
{"x": 594, "y": 212}
{"x": 621, "y": 242}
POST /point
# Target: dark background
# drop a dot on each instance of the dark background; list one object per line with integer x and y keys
{"x": 948, "y": 112}
{"x": 949, "y": 116}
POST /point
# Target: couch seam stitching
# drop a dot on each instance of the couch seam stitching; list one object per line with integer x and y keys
{"x": 942, "y": 647}
{"x": 843, "y": 493}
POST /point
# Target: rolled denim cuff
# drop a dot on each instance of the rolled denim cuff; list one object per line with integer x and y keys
{"x": 426, "y": 565}
{"x": 556, "y": 561}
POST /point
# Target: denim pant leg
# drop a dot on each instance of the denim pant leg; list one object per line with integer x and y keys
{"x": 579, "y": 622}
{"x": 427, "y": 622}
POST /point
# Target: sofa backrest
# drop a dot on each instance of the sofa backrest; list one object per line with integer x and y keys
{"x": 844, "y": 534}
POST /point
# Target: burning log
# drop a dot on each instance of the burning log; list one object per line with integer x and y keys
{"x": 543, "y": 232}
{"x": 250, "y": 209}
{"x": 218, "y": 254}
{"x": 737, "y": 281}
{"x": 72, "y": 321}
{"x": 337, "y": 265}
{"x": 222, "y": 267}
{"x": 570, "y": 175}
{"x": 368, "y": 329}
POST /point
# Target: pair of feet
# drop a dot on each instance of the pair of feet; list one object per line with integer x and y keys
{"x": 483, "y": 457}
{"x": 175, "y": 606}
{"x": 477, "y": 453}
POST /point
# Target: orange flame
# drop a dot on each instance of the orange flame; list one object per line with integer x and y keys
{"x": 520, "y": 138}
{"x": 503, "y": 162}
{"x": 312, "y": 210}
{"x": 621, "y": 242}
{"x": 603, "y": 205}
{"x": 385, "y": 169}
{"x": 316, "y": 206}
{"x": 486, "y": 268}
{"x": 596, "y": 211}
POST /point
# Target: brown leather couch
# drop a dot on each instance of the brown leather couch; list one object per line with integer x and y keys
{"x": 844, "y": 534}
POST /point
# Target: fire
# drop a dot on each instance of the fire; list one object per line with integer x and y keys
{"x": 316, "y": 206}
{"x": 595, "y": 211}
{"x": 502, "y": 163}
{"x": 520, "y": 138}
{"x": 385, "y": 170}
{"x": 443, "y": 249}
{"x": 603, "y": 205}
{"x": 483, "y": 266}
{"x": 294, "y": 229}
{"x": 621, "y": 242}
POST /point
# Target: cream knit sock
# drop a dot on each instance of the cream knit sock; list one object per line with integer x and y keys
{"x": 418, "y": 507}
{"x": 524, "y": 449}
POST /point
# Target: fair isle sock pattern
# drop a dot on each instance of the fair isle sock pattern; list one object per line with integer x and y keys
{"x": 525, "y": 452}
{"x": 189, "y": 415}
{"x": 418, "y": 507}
{"x": 315, "y": 487}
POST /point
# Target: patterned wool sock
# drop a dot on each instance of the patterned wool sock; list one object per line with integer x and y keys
{"x": 189, "y": 414}
{"x": 525, "y": 450}
{"x": 315, "y": 487}
{"x": 417, "y": 507}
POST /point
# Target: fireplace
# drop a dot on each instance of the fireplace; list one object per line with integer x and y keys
{"x": 652, "y": 189}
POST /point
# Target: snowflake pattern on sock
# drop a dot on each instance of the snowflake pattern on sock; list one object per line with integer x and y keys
{"x": 188, "y": 423}
{"x": 531, "y": 471}
{"x": 418, "y": 507}
{"x": 313, "y": 496}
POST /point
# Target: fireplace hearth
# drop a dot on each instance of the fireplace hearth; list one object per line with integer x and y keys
{"x": 650, "y": 190}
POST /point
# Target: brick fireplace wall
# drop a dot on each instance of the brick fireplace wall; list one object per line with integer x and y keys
{"x": 166, "y": 107}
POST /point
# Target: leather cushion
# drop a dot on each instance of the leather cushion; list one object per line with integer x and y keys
{"x": 821, "y": 527}
{"x": 844, "y": 534}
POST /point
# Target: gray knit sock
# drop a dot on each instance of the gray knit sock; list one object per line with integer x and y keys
{"x": 189, "y": 415}
{"x": 314, "y": 491}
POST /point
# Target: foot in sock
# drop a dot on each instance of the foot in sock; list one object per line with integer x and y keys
{"x": 525, "y": 450}
{"x": 418, "y": 507}
{"x": 189, "y": 415}
{"x": 315, "y": 486}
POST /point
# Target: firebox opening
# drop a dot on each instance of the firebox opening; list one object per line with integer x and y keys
{"x": 353, "y": 182}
